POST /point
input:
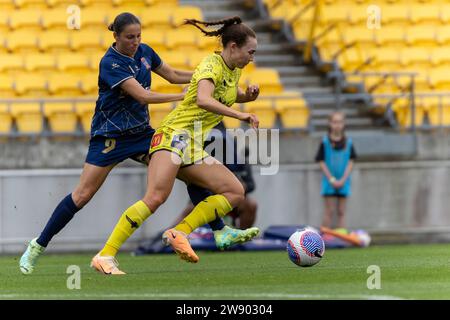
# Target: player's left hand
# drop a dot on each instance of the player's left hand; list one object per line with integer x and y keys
{"x": 252, "y": 92}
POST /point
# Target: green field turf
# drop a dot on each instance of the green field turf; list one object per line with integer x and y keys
{"x": 407, "y": 272}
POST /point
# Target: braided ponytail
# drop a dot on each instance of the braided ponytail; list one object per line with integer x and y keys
{"x": 232, "y": 30}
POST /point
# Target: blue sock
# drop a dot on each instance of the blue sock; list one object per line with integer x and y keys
{"x": 198, "y": 194}
{"x": 63, "y": 213}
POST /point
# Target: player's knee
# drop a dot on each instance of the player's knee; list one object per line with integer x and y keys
{"x": 82, "y": 196}
{"x": 236, "y": 197}
{"x": 155, "y": 200}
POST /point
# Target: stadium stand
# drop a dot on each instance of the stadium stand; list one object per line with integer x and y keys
{"x": 413, "y": 37}
{"x": 42, "y": 59}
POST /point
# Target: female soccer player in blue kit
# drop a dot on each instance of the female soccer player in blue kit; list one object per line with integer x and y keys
{"x": 120, "y": 127}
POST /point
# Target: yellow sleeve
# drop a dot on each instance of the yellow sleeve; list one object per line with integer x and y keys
{"x": 210, "y": 68}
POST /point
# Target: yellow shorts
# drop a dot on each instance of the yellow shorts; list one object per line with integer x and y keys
{"x": 179, "y": 142}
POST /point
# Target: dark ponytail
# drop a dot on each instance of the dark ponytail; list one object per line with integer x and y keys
{"x": 121, "y": 21}
{"x": 232, "y": 30}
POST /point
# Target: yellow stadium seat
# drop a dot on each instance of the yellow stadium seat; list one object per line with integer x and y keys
{"x": 31, "y": 84}
{"x": 264, "y": 110}
{"x": 421, "y": 36}
{"x": 267, "y": 79}
{"x": 440, "y": 55}
{"x": 94, "y": 18}
{"x": 168, "y": 3}
{"x": 7, "y": 5}
{"x": 60, "y": 3}
{"x": 387, "y": 57}
{"x": 294, "y": 113}
{"x": 331, "y": 37}
{"x": 4, "y": 17}
{"x": 6, "y": 87}
{"x": 182, "y": 40}
{"x": 11, "y": 62}
{"x": 186, "y": 12}
{"x": 403, "y": 112}
{"x": 155, "y": 39}
{"x": 158, "y": 111}
{"x": 195, "y": 57}
{"x": 30, "y": 4}
{"x": 27, "y": 18}
{"x": 28, "y": 117}
{"x": 210, "y": 44}
{"x": 98, "y": 4}
{"x": 89, "y": 84}
{"x": 357, "y": 13}
{"x": 157, "y": 17}
{"x": 443, "y": 35}
{"x": 390, "y": 35}
{"x": 40, "y": 62}
{"x": 95, "y": 58}
{"x": 337, "y": 13}
{"x": 61, "y": 116}
{"x": 85, "y": 110}
{"x": 421, "y": 13}
{"x": 232, "y": 123}
{"x": 362, "y": 35}
{"x": 107, "y": 39}
{"x": 76, "y": 62}
{"x": 415, "y": 55}
{"x": 21, "y": 41}
{"x": 175, "y": 59}
{"x": 440, "y": 78}
{"x": 135, "y": 3}
{"x": 55, "y": 19}
{"x": 394, "y": 13}
{"x": 85, "y": 40}
{"x": 5, "y": 119}
{"x": 439, "y": 113}
{"x": 445, "y": 13}
{"x": 64, "y": 84}
{"x": 54, "y": 41}
{"x": 159, "y": 84}
{"x": 353, "y": 59}
{"x": 135, "y": 7}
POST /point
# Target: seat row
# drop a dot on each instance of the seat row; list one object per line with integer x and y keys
{"x": 64, "y": 117}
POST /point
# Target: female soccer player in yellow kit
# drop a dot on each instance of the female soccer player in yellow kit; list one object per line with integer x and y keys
{"x": 177, "y": 146}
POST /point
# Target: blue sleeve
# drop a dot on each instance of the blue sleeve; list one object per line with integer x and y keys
{"x": 114, "y": 72}
{"x": 154, "y": 57}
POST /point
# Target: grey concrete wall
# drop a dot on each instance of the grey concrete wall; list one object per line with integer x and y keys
{"x": 46, "y": 152}
{"x": 386, "y": 196}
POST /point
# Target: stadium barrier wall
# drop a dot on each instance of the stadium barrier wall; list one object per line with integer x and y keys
{"x": 386, "y": 196}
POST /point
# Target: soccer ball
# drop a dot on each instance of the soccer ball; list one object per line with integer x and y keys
{"x": 305, "y": 247}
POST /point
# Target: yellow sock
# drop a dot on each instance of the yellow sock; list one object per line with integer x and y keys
{"x": 213, "y": 207}
{"x": 130, "y": 220}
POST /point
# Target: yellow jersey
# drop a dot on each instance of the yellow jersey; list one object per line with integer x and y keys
{"x": 188, "y": 112}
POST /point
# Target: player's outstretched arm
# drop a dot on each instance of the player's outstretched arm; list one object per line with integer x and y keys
{"x": 143, "y": 96}
{"x": 172, "y": 75}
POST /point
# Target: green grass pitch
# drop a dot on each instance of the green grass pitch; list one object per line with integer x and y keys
{"x": 406, "y": 272}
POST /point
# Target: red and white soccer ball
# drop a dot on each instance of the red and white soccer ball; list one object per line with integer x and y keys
{"x": 305, "y": 247}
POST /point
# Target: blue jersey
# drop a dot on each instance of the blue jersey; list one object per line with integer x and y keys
{"x": 336, "y": 161}
{"x": 116, "y": 112}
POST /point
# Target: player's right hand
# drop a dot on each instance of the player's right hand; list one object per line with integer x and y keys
{"x": 251, "y": 118}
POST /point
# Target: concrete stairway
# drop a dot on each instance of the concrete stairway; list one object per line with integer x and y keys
{"x": 275, "y": 51}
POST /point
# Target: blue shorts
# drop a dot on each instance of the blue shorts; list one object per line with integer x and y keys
{"x": 105, "y": 151}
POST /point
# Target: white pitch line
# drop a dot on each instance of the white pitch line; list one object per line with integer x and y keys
{"x": 206, "y": 295}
